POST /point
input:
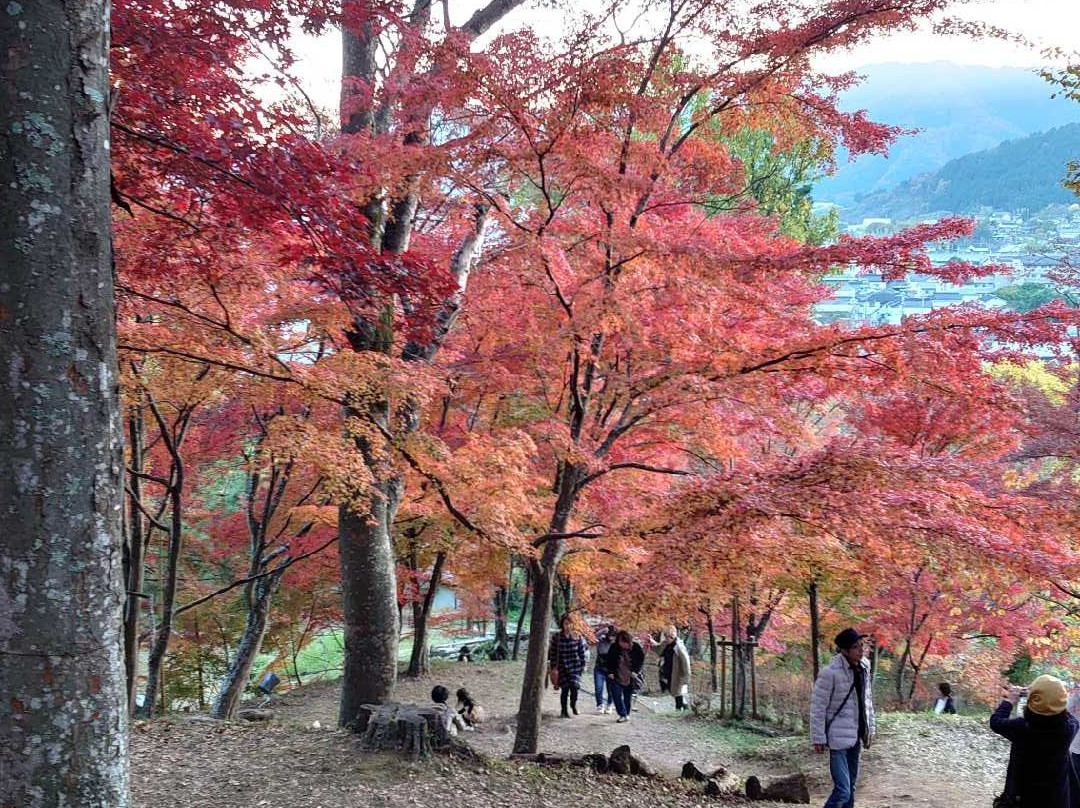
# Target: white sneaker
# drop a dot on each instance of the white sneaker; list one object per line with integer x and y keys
{"x": 622, "y": 719}
{"x": 600, "y": 709}
{"x": 606, "y": 709}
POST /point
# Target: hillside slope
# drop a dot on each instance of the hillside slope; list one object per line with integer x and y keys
{"x": 958, "y": 110}
{"x": 1018, "y": 174}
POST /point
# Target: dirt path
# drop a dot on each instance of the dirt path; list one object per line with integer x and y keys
{"x": 917, "y": 760}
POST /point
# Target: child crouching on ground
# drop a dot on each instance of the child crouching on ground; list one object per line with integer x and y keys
{"x": 468, "y": 709}
{"x": 452, "y": 720}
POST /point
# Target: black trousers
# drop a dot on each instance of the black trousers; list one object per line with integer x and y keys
{"x": 680, "y": 703}
{"x": 569, "y": 691}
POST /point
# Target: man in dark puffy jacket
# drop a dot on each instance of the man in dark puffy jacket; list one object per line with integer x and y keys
{"x": 1040, "y": 768}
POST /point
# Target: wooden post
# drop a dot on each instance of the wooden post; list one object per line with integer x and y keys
{"x": 712, "y": 652}
{"x": 873, "y": 664}
{"x": 815, "y": 628}
{"x": 736, "y": 657}
{"x": 723, "y": 671}
{"x": 753, "y": 681}
{"x": 734, "y": 677}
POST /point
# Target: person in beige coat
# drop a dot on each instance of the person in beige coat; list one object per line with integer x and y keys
{"x": 675, "y": 668}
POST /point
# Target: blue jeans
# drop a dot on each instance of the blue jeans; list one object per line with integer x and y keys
{"x": 624, "y": 695}
{"x": 844, "y": 768}
{"x": 599, "y": 679}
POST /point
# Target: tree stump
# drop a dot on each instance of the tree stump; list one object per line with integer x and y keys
{"x": 623, "y": 761}
{"x": 405, "y": 728}
{"x": 692, "y": 772}
{"x": 791, "y": 789}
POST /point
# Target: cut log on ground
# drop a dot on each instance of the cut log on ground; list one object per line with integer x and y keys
{"x": 691, "y": 772}
{"x": 621, "y": 761}
{"x": 791, "y": 789}
{"x": 255, "y": 715}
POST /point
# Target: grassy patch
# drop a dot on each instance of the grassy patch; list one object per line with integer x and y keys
{"x": 321, "y": 659}
{"x": 925, "y": 725}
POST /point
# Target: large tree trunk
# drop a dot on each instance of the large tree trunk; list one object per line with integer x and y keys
{"x": 366, "y": 546}
{"x": 369, "y": 600}
{"x": 542, "y": 573}
{"x": 258, "y": 618}
{"x": 62, "y": 717}
{"x": 532, "y": 688}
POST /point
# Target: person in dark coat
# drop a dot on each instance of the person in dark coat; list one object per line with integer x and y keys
{"x": 1039, "y": 762}
{"x": 605, "y": 638}
{"x": 567, "y": 656}
{"x": 623, "y": 664}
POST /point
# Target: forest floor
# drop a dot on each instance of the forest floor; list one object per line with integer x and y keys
{"x": 300, "y": 759}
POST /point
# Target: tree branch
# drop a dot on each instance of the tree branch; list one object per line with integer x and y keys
{"x": 280, "y": 568}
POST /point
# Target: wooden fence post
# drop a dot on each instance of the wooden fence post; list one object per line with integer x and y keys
{"x": 753, "y": 681}
{"x": 723, "y": 671}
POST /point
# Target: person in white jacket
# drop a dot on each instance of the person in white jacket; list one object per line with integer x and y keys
{"x": 674, "y": 667}
{"x": 842, "y": 715}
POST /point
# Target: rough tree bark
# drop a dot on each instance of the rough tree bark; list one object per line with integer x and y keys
{"x": 62, "y": 716}
{"x": 369, "y": 600}
{"x": 532, "y": 689}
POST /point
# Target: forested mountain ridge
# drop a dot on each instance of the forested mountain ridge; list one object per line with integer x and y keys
{"x": 1026, "y": 173}
{"x": 970, "y": 109}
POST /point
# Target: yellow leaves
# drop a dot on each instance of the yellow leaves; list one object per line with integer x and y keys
{"x": 333, "y": 454}
{"x": 325, "y": 515}
{"x": 1035, "y": 375}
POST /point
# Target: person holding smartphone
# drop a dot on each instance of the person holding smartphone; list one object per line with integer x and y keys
{"x": 1040, "y": 768}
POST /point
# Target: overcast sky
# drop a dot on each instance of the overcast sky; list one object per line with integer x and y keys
{"x": 1048, "y": 22}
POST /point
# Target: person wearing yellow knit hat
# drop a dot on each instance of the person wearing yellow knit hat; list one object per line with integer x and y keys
{"x": 1040, "y": 768}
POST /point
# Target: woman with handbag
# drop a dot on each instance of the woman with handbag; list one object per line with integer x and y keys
{"x": 1040, "y": 768}
{"x": 624, "y": 662}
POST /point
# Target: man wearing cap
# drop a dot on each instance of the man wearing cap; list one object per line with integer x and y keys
{"x": 1039, "y": 764}
{"x": 842, "y": 715}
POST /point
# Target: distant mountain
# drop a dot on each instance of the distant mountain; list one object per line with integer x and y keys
{"x": 959, "y": 109}
{"x": 1024, "y": 173}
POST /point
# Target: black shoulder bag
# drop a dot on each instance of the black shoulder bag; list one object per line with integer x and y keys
{"x": 829, "y": 721}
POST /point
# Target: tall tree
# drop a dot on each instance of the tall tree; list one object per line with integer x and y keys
{"x": 62, "y": 716}
{"x": 397, "y": 69}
